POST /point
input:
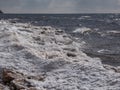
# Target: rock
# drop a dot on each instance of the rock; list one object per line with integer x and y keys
{"x": 18, "y": 81}
{"x": 3, "y": 87}
{"x": 19, "y": 84}
{"x": 70, "y": 54}
{"x": 42, "y": 32}
{"x": 25, "y": 84}
{"x": 38, "y": 77}
{"x": 59, "y": 32}
{"x": 9, "y": 75}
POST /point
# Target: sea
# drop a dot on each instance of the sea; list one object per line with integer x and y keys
{"x": 99, "y": 33}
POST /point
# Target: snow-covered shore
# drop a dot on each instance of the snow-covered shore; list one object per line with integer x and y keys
{"x": 43, "y": 51}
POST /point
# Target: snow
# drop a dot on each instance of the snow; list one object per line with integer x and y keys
{"x": 34, "y": 50}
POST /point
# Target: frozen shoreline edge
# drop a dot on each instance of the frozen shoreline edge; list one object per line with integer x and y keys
{"x": 54, "y": 54}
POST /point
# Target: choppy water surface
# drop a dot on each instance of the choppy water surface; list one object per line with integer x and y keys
{"x": 100, "y": 32}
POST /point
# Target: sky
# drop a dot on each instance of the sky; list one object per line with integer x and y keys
{"x": 60, "y": 6}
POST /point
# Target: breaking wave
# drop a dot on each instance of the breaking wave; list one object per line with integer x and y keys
{"x": 82, "y": 30}
{"x": 34, "y": 50}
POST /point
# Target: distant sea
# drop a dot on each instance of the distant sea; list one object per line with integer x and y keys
{"x": 99, "y": 32}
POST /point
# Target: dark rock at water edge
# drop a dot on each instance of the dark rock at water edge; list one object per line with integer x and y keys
{"x": 13, "y": 80}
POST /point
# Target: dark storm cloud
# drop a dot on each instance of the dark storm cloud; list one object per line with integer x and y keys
{"x": 59, "y": 6}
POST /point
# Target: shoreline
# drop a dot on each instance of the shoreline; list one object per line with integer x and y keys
{"x": 48, "y": 59}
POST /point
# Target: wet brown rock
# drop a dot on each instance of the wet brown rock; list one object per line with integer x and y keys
{"x": 3, "y": 87}
{"x": 20, "y": 84}
{"x": 25, "y": 84}
{"x": 9, "y": 75}
{"x": 18, "y": 81}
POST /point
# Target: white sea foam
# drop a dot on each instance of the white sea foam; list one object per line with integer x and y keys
{"x": 114, "y": 32}
{"x": 82, "y": 30}
{"x": 104, "y": 51}
{"x": 33, "y": 50}
{"x": 84, "y": 17}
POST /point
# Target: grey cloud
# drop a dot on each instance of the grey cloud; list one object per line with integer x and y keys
{"x": 98, "y": 3}
{"x": 98, "y": 6}
{"x": 59, "y": 6}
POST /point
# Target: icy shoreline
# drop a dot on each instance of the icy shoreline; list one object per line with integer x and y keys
{"x": 50, "y": 53}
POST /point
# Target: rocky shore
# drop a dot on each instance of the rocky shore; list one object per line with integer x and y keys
{"x": 45, "y": 58}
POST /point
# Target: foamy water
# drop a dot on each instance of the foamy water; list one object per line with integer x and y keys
{"x": 82, "y": 30}
{"x": 98, "y": 31}
{"x": 34, "y": 50}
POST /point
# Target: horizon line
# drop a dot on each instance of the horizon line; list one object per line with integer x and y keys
{"x": 68, "y": 13}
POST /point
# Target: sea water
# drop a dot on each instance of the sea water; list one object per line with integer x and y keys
{"x": 99, "y": 32}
